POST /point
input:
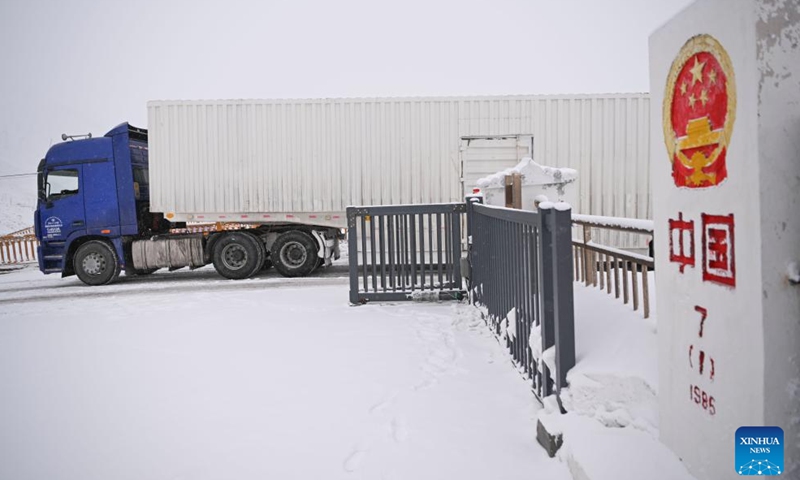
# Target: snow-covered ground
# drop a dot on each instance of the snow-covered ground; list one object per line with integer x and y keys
{"x": 17, "y": 203}
{"x": 611, "y": 428}
{"x": 184, "y": 375}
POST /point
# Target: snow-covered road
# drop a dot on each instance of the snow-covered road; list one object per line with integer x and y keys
{"x": 187, "y": 376}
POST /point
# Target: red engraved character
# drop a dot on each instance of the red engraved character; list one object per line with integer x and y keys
{"x": 702, "y": 356}
{"x": 681, "y": 242}
{"x": 719, "y": 262}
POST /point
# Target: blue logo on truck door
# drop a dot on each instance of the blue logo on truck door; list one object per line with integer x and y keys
{"x": 53, "y": 227}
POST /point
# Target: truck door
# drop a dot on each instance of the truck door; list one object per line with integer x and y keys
{"x": 63, "y": 211}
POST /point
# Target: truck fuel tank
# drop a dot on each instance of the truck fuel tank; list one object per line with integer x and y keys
{"x": 183, "y": 251}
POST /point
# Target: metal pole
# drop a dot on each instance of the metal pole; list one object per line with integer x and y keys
{"x": 564, "y": 307}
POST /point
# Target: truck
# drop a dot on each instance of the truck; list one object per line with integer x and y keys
{"x": 94, "y": 220}
{"x": 274, "y": 177}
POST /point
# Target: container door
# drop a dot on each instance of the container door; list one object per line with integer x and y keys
{"x": 482, "y": 156}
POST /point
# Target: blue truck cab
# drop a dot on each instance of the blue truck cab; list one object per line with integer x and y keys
{"x": 93, "y": 196}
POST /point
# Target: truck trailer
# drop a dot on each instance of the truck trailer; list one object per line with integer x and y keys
{"x": 276, "y": 176}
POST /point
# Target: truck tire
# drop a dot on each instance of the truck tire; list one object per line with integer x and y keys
{"x": 237, "y": 255}
{"x": 294, "y": 254}
{"x": 262, "y": 253}
{"x": 96, "y": 263}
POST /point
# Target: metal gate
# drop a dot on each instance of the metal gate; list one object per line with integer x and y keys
{"x": 521, "y": 277}
{"x": 405, "y": 252}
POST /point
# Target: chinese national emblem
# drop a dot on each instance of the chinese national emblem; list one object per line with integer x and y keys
{"x": 699, "y": 110}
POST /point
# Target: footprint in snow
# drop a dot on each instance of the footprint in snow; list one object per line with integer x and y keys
{"x": 384, "y": 403}
{"x": 399, "y": 430}
{"x": 430, "y": 382}
{"x": 353, "y": 462}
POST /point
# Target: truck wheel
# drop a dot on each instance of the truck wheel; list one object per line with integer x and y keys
{"x": 262, "y": 253}
{"x": 294, "y": 254}
{"x": 96, "y": 263}
{"x": 237, "y": 255}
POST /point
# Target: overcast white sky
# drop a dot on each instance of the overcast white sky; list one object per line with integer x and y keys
{"x": 77, "y": 66}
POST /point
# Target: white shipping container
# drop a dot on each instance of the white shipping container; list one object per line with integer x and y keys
{"x": 307, "y": 160}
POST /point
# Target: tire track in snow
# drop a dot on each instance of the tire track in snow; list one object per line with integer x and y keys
{"x": 158, "y": 288}
{"x": 26, "y": 291}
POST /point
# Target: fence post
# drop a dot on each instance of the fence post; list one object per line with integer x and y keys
{"x": 564, "y": 307}
{"x": 547, "y": 285}
{"x": 352, "y": 251}
{"x": 471, "y": 200}
{"x": 587, "y": 255}
{"x": 456, "y": 246}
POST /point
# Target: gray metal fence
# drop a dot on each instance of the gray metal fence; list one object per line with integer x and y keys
{"x": 405, "y": 252}
{"x": 521, "y": 276}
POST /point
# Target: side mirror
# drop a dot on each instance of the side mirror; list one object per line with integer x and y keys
{"x": 40, "y": 187}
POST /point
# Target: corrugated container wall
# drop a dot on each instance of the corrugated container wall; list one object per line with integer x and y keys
{"x": 240, "y": 156}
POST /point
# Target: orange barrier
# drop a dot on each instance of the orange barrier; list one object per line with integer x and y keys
{"x": 18, "y": 249}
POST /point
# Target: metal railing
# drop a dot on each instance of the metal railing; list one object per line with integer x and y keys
{"x": 16, "y": 249}
{"x": 618, "y": 272}
{"x": 521, "y": 276}
{"x": 405, "y": 252}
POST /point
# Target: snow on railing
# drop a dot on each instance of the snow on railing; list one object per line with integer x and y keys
{"x": 519, "y": 273}
{"x": 594, "y": 263}
{"x": 20, "y": 233}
